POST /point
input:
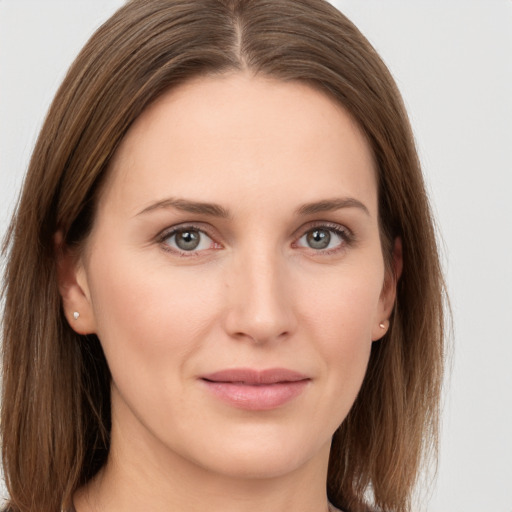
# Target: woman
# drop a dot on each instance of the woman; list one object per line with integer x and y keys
{"x": 222, "y": 289}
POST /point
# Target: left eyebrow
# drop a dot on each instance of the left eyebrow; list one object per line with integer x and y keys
{"x": 329, "y": 205}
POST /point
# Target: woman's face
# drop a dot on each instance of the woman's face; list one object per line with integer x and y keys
{"x": 234, "y": 276}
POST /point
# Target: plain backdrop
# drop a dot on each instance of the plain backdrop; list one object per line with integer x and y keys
{"x": 453, "y": 63}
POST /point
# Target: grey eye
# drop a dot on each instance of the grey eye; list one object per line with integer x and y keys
{"x": 187, "y": 239}
{"x": 324, "y": 238}
{"x": 318, "y": 238}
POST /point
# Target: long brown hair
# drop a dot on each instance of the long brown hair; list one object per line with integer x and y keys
{"x": 56, "y": 384}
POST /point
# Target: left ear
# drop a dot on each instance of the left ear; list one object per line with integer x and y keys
{"x": 388, "y": 293}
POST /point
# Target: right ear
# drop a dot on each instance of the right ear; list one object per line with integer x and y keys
{"x": 74, "y": 288}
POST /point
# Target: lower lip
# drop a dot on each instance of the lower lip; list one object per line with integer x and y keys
{"x": 261, "y": 397}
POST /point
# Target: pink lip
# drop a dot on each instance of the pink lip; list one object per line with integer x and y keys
{"x": 256, "y": 390}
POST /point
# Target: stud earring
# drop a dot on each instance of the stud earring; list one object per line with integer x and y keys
{"x": 382, "y": 325}
{"x": 76, "y": 314}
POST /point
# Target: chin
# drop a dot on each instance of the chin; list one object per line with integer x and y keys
{"x": 258, "y": 466}
{"x": 263, "y": 456}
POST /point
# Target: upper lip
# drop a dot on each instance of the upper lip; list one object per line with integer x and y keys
{"x": 254, "y": 377}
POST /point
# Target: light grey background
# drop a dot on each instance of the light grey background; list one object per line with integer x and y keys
{"x": 453, "y": 62}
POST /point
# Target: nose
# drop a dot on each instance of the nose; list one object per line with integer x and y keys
{"x": 260, "y": 302}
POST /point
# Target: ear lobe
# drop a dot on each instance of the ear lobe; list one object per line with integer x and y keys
{"x": 73, "y": 288}
{"x": 388, "y": 293}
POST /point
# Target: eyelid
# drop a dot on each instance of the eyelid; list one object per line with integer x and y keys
{"x": 334, "y": 226}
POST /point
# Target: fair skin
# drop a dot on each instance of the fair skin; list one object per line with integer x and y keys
{"x": 284, "y": 271}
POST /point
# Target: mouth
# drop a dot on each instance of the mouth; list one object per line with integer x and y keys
{"x": 256, "y": 390}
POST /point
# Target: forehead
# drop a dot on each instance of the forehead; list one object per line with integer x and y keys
{"x": 239, "y": 134}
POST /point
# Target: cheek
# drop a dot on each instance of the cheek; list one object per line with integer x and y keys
{"x": 343, "y": 304}
{"x": 346, "y": 342}
{"x": 340, "y": 316}
{"x": 149, "y": 314}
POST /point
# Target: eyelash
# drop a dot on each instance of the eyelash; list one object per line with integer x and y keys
{"x": 346, "y": 236}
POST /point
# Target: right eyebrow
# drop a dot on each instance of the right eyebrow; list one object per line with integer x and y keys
{"x": 210, "y": 209}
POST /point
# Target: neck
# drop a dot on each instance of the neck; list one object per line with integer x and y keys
{"x": 115, "y": 490}
{"x": 135, "y": 479}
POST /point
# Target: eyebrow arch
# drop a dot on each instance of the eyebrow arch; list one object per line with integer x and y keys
{"x": 186, "y": 205}
{"x": 329, "y": 205}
